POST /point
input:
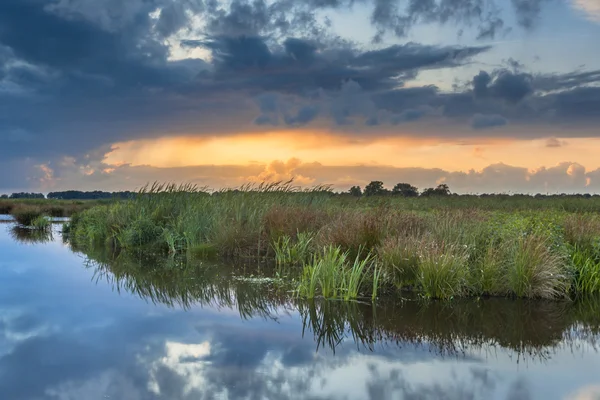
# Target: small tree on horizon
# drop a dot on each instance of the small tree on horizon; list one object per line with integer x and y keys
{"x": 405, "y": 190}
{"x": 375, "y": 188}
{"x": 440, "y": 190}
{"x": 355, "y": 191}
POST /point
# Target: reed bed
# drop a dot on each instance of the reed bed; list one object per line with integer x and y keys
{"x": 33, "y": 212}
{"x": 335, "y": 246}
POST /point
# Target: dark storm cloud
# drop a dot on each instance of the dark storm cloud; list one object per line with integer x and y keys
{"x": 88, "y": 73}
{"x": 97, "y": 72}
{"x": 481, "y": 121}
{"x": 566, "y": 81}
{"x": 247, "y": 62}
{"x": 304, "y": 116}
{"x": 505, "y": 85}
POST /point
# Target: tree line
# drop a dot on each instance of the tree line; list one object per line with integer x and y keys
{"x": 376, "y": 188}
{"x": 23, "y": 195}
{"x": 71, "y": 195}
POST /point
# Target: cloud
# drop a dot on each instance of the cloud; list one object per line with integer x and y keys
{"x": 505, "y": 85}
{"x": 481, "y": 121}
{"x": 554, "y": 142}
{"x": 590, "y": 392}
{"x": 567, "y": 177}
{"x": 590, "y": 7}
{"x": 279, "y": 171}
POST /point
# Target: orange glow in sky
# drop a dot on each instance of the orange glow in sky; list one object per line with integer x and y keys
{"x": 328, "y": 149}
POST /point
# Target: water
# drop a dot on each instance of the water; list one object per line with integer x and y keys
{"x": 128, "y": 329}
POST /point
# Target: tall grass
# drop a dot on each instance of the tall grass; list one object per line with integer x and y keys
{"x": 290, "y": 252}
{"x": 443, "y": 270}
{"x": 534, "y": 270}
{"x": 587, "y": 272}
{"x": 332, "y": 275}
{"x": 443, "y": 252}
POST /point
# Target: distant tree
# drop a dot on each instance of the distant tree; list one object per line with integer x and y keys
{"x": 4, "y": 196}
{"x": 95, "y": 195}
{"x": 24, "y": 195}
{"x": 375, "y": 188}
{"x": 405, "y": 190}
{"x": 355, "y": 191}
{"x": 443, "y": 190}
{"x": 440, "y": 190}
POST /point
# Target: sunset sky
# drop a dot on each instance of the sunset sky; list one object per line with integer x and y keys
{"x": 484, "y": 95}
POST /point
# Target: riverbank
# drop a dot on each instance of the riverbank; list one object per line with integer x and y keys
{"x": 25, "y": 211}
{"x": 339, "y": 247}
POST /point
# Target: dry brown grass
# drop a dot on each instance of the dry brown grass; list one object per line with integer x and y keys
{"x": 288, "y": 221}
{"x": 535, "y": 271}
{"x": 354, "y": 231}
{"x": 582, "y": 229}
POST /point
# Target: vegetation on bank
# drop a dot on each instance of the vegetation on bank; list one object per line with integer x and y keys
{"x": 347, "y": 247}
{"x": 27, "y": 211}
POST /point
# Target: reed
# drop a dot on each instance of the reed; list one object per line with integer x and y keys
{"x": 293, "y": 252}
{"x": 587, "y": 272}
{"x": 333, "y": 275}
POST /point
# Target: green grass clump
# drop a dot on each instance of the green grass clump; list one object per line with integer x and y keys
{"x": 442, "y": 270}
{"x": 400, "y": 259}
{"x": 587, "y": 272}
{"x": 534, "y": 270}
{"x": 41, "y": 223}
{"x": 332, "y": 275}
{"x": 293, "y": 252}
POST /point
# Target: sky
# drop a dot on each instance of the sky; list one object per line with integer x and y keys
{"x": 483, "y": 95}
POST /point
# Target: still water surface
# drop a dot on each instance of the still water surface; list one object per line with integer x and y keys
{"x": 72, "y": 328}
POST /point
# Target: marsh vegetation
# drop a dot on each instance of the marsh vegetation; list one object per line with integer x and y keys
{"x": 350, "y": 248}
{"x": 34, "y": 213}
